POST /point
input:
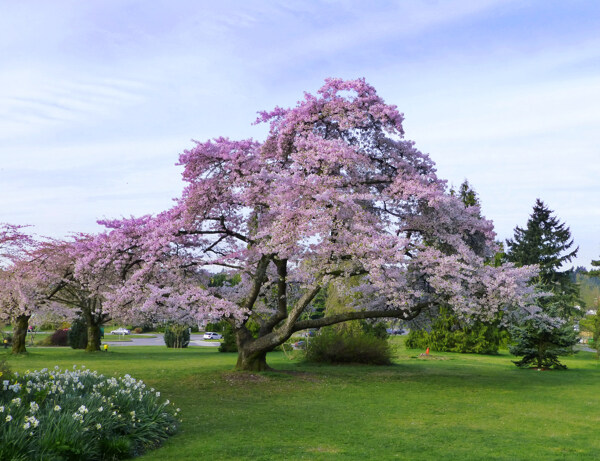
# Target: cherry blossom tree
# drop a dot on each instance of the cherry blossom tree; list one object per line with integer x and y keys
{"x": 18, "y": 293}
{"x": 53, "y": 264}
{"x": 40, "y": 275}
{"x": 335, "y": 191}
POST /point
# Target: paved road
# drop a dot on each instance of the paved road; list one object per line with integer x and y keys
{"x": 195, "y": 340}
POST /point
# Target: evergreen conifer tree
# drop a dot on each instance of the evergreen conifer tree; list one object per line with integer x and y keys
{"x": 595, "y": 272}
{"x": 547, "y": 242}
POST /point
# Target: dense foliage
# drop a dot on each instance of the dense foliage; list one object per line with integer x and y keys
{"x": 177, "y": 336}
{"x": 228, "y": 343}
{"x": 59, "y": 338}
{"x": 540, "y": 341}
{"x": 448, "y": 334}
{"x": 334, "y": 346}
{"x": 445, "y": 331}
{"x": 78, "y": 334}
{"x": 80, "y": 414}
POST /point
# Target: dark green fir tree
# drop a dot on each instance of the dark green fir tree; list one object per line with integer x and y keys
{"x": 546, "y": 242}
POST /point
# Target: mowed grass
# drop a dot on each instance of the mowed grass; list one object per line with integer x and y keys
{"x": 451, "y": 406}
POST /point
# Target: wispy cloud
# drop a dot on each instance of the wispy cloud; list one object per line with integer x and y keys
{"x": 97, "y": 98}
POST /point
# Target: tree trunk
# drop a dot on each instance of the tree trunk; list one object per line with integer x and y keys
{"x": 93, "y": 337}
{"x": 93, "y": 330}
{"x": 20, "y": 334}
{"x": 252, "y": 353}
{"x": 256, "y": 361}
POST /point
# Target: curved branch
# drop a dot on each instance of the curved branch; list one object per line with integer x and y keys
{"x": 358, "y": 315}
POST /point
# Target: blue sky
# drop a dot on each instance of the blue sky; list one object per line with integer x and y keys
{"x": 97, "y": 98}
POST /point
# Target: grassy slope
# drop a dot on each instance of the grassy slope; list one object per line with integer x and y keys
{"x": 462, "y": 407}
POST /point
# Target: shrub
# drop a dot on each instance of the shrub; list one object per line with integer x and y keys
{"x": 8, "y": 338}
{"x": 228, "y": 343}
{"x": 143, "y": 328}
{"x": 48, "y": 326}
{"x": 217, "y": 327}
{"x": 5, "y": 372}
{"x": 331, "y": 346}
{"x": 60, "y": 338}
{"x": 377, "y": 329}
{"x": 78, "y": 335}
{"x": 177, "y": 336}
{"x": 79, "y": 414}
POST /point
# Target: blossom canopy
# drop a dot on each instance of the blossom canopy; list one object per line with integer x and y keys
{"x": 335, "y": 191}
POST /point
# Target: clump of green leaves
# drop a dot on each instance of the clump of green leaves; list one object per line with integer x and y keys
{"x": 78, "y": 334}
{"x": 448, "y": 334}
{"x": 177, "y": 336}
{"x": 228, "y": 344}
{"x": 5, "y": 372}
{"x": 334, "y": 346}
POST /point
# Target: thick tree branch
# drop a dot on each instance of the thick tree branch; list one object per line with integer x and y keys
{"x": 259, "y": 280}
{"x": 288, "y": 327}
{"x": 281, "y": 313}
{"x": 358, "y": 315}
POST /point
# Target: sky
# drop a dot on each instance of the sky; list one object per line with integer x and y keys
{"x": 98, "y": 98}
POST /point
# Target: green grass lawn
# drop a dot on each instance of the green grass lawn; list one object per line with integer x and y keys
{"x": 450, "y": 406}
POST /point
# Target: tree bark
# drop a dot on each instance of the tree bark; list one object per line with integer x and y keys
{"x": 20, "y": 334}
{"x": 93, "y": 341}
{"x": 93, "y": 330}
{"x": 252, "y": 353}
{"x": 256, "y": 361}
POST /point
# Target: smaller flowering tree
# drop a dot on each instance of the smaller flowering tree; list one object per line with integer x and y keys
{"x": 53, "y": 263}
{"x": 20, "y": 293}
{"x": 41, "y": 275}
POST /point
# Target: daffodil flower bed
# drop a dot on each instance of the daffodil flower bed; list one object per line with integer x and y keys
{"x": 80, "y": 414}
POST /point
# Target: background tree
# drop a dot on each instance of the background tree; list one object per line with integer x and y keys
{"x": 20, "y": 296}
{"x": 595, "y": 272}
{"x": 541, "y": 340}
{"x": 332, "y": 193}
{"x": 590, "y": 293}
{"x": 53, "y": 263}
{"x": 546, "y": 242}
{"x": 19, "y": 292}
{"x": 449, "y": 333}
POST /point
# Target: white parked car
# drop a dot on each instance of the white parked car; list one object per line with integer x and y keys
{"x": 120, "y": 331}
{"x": 212, "y": 335}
